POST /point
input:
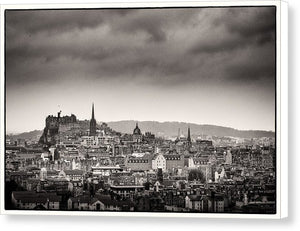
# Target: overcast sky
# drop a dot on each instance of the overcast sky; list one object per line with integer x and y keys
{"x": 198, "y": 65}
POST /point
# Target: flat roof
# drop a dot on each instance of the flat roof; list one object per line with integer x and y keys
{"x": 107, "y": 167}
{"x": 127, "y": 186}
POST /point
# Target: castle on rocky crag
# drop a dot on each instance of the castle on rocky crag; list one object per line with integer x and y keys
{"x": 58, "y": 128}
{"x": 52, "y": 126}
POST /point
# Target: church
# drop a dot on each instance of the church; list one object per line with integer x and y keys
{"x": 93, "y": 124}
{"x": 137, "y": 134}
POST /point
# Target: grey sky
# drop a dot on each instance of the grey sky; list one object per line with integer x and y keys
{"x": 201, "y": 65}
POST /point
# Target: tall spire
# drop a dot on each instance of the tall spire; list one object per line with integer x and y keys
{"x": 93, "y": 123}
{"x": 189, "y": 135}
{"x": 93, "y": 115}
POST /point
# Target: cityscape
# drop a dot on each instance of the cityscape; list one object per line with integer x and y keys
{"x": 83, "y": 165}
{"x": 160, "y": 110}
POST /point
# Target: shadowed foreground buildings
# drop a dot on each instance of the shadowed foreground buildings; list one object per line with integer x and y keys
{"x": 84, "y": 165}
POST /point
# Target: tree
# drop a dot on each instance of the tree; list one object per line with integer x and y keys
{"x": 160, "y": 177}
{"x": 196, "y": 174}
{"x": 147, "y": 185}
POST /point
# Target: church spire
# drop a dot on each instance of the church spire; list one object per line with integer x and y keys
{"x": 93, "y": 115}
{"x": 189, "y": 135}
{"x": 93, "y": 123}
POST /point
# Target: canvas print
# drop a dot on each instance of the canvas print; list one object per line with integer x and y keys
{"x": 159, "y": 109}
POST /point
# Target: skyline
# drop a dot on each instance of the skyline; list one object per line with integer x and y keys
{"x": 202, "y": 65}
{"x": 188, "y": 124}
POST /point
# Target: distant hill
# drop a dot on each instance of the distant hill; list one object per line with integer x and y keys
{"x": 167, "y": 129}
{"x": 171, "y": 129}
{"x": 36, "y": 134}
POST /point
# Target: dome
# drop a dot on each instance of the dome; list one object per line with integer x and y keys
{"x": 137, "y": 131}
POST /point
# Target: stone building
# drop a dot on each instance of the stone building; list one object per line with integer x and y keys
{"x": 142, "y": 163}
{"x": 159, "y": 162}
{"x": 174, "y": 161}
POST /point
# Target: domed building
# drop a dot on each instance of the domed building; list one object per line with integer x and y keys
{"x": 137, "y": 134}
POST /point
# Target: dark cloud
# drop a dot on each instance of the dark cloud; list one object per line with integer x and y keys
{"x": 150, "y": 24}
{"x": 247, "y": 74}
{"x": 250, "y": 22}
{"x": 252, "y": 65}
{"x": 152, "y": 46}
{"x": 219, "y": 62}
{"x": 52, "y": 21}
{"x": 237, "y": 28}
{"x": 217, "y": 46}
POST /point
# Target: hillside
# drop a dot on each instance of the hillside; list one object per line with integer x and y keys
{"x": 34, "y": 135}
{"x": 171, "y": 129}
{"x": 166, "y": 129}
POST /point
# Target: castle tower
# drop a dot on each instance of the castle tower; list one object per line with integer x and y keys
{"x": 93, "y": 123}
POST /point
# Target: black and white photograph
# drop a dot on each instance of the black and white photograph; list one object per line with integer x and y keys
{"x": 142, "y": 110}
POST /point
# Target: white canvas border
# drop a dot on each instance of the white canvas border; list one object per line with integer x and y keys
{"x": 281, "y": 104}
